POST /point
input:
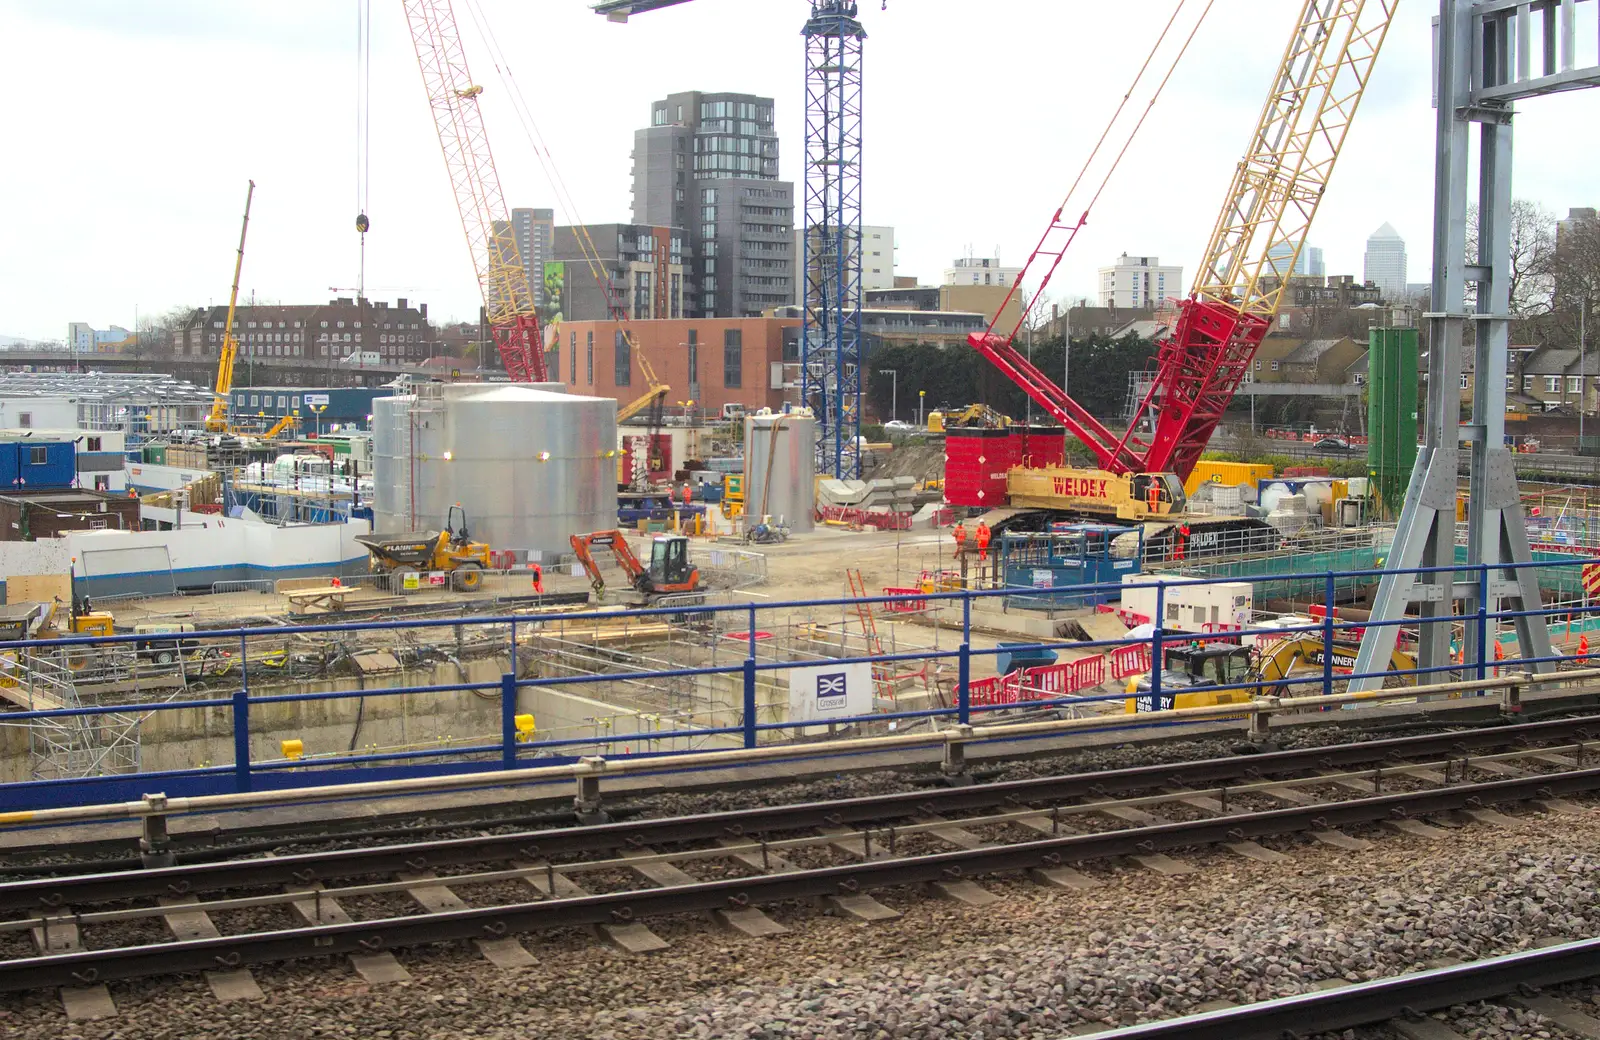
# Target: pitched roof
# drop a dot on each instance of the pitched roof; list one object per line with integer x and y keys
{"x": 1311, "y": 351}
{"x": 1550, "y": 361}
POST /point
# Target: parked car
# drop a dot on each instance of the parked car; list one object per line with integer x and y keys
{"x": 1333, "y": 444}
{"x": 900, "y": 426}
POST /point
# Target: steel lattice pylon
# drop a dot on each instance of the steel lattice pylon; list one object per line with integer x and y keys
{"x": 830, "y": 349}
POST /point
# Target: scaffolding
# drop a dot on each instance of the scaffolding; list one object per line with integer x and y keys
{"x": 139, "y": 404}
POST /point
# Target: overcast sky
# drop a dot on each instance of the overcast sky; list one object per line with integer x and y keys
{"x": 133, "y": 128}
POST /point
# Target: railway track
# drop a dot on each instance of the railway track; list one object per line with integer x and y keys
{"x": 1400, "y": 1004}
{"x": 81, "y": 931}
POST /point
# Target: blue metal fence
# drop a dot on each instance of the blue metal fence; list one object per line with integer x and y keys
{"x": 510, "y": 749}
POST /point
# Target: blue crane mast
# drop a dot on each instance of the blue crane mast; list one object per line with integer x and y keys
{"x": 831, "y": 346}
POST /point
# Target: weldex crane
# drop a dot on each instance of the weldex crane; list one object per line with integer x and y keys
{"x": 831, "y": 260}
{"x": 453, "y": 99}
{"x": 1276, "y": 189}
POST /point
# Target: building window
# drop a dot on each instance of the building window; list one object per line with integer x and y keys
{"x": 1574, "y": 384}
{"x": 1463, "y": 381}
{"x": 294, "y": 402}
{"x": 588, "y": 360}
{"x": 1258, "y": 364}
{"x": 1527, "y": 384}
{"x": 572, "y": 349}
{"x": 1274, "y": 366}
{"x": 555, "y": 363}
{"x": 732, "y": 358}
{"x": 1552, "y": 384}
{"x": 677, "y": 291}
{"x": 38, "y": 456}
{"x": 25, "y": 419}
{"x": 255, "y": 400}
{"x": 282, "y": 404}
{"x": 622, "y": 374}
{"x": 694, "y": 358}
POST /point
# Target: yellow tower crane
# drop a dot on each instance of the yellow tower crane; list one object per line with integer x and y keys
{"x": 217, "y": 421}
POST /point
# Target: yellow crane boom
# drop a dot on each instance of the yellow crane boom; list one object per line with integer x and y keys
{"x": 217, "y": 421}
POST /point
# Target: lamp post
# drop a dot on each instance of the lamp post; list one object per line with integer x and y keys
{"x": 921, "y": 400}
{"x": 319, "y": 409}
{"x": 894, "y": 391}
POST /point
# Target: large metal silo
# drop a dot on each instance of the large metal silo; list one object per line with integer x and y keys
{"x": 780, "y": 468}
{"x": 529, "y": 466}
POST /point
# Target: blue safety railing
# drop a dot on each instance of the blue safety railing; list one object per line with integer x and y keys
{"x": 510, "y": 749}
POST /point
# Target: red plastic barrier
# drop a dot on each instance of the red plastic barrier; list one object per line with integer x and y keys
{"x": 1130, "y": 660}
{"x": 1090, "y": 671}
{"x": 904, "y": 606}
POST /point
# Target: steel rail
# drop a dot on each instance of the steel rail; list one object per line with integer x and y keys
{"x": 91, "y": 966}
{"x": 304, "y": 869}
{"x": 1380, "y": 1000}
{"x": 886, "y": 837}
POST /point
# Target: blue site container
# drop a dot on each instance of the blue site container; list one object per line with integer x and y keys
{"x": 31, "y": 464}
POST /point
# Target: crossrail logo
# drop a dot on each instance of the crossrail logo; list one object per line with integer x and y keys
{"x": 831, "y": 690}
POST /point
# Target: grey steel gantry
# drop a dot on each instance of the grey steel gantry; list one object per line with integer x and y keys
{"x": 1488, "y": 54}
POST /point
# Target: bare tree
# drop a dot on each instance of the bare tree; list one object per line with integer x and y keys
{"x": 1533, "y": 246}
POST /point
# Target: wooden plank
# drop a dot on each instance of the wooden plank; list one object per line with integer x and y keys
{"x": 504, "y": 953}
{"x": 633, "y": 938}
{"x": 376, "y": 969}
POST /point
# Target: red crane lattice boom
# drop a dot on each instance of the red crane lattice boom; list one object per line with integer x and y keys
{"x": 1254, "y": 246}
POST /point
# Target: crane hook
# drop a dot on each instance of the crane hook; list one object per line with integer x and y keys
{"x": 362, "y": 223}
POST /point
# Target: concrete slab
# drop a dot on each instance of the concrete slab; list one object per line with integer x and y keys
{"x": 437, "y": 899}
{"x": 234, "y": 985}
{"x": 862, "y": 908}
{"x": 1137, "y": 817}
{"x": 1417, "y": 829}
{"x": 746, "y": 920}
{"x": 85, "y": 1003}
{"x": 1422, "y": 1029}
{"x": 376, "y": 969}
{"x": 1063, "y": 877}
{"x": 1490, "y": 817}
{"x": 379, "y": 969}
{"x": 1561, "y": 1013}
{"x": 1163, "y": 864}
{"x": 969, "y": 892}
{"x": 1341, "y": 840}
{"x": 1259, "y": 853}
{"x": 632, "y": 938}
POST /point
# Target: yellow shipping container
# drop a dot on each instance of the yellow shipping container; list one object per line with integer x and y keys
{"x": 1230, "y": 473}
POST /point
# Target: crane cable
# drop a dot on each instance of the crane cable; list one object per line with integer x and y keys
{"x": 1099, "y": 143}
{"x": 363, "y": 132}
{"x": 546, "y": 159}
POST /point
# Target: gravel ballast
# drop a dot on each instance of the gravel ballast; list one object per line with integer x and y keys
{"x": 1035, "y": 965}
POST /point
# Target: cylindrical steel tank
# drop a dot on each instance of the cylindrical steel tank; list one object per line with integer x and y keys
{"x": 780, "y": 468}
{"x": 529, "y": 466}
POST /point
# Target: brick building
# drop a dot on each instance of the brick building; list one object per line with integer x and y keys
{"x": 399, "y": 333}
{"x": 711, "y": 361}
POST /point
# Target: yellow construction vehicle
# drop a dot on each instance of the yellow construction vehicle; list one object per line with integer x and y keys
{"x": 980, "y": 415}
{"x": 1193, "y": 673}
{"x": 406, "y": 557}
{"x": 733, "y": 495}
{"x": 217, "y": 420}
{"x": 1125, "y": 496}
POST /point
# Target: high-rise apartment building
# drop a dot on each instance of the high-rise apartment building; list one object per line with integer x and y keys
{"x": 1385, "y": 262}
{"x": 1139, "y": 281}
{"x": 535, "y": 231}
{"x": 1280, "y": 253}
{"x": 599, "y": 269}
{"x": 708, "y": 163}
{"x": 1314, "y": 264}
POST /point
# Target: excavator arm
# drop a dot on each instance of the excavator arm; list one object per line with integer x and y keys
{"x": 582, "y": 547}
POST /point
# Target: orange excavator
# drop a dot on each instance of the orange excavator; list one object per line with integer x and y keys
{"x": 670, "y": 572}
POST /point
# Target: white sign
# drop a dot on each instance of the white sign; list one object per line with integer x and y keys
{"x": 321, "y": 399}
{"x": 834, "y": 691}
{"x": 1043, "y": 578}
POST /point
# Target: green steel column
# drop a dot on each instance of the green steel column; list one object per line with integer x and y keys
{"x": 1392, "y": 365}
